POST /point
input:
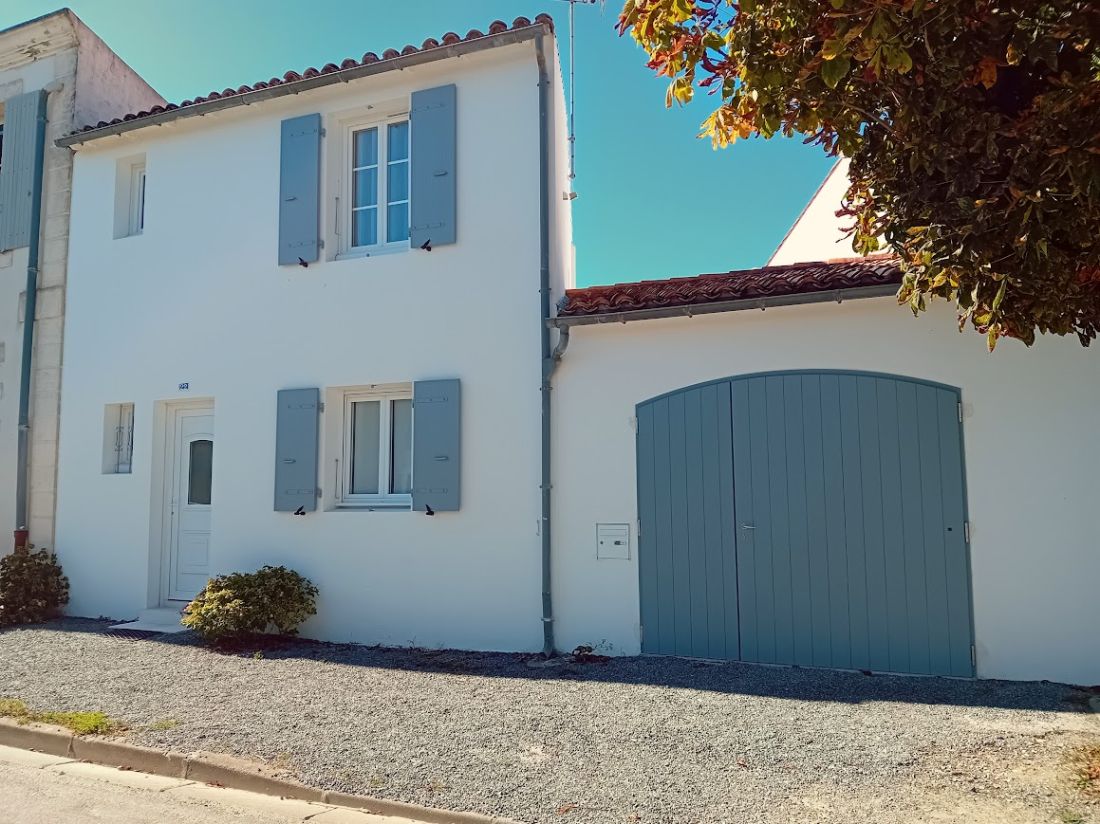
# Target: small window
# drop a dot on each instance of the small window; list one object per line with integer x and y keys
{"x": 130, "y": 196}
{"x": 137, "y": 199}
{"x": 378, "y": 193}
{"x": 118, "y": 439}
{"x": 377, "y": 448}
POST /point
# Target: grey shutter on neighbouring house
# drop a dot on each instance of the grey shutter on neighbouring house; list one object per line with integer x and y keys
{"x": 434, "y": 158}
{"x": 21, "y": 116}
{"x": 437, "y": 435}
{"x": 296, "y": 429}
{"x": 300, "y": 190}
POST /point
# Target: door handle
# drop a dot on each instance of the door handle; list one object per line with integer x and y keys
{"x": 747, "y": 526}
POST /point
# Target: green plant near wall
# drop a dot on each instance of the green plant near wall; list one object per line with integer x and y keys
{"x": 243, "y": 604}
{"x": 32, "y": 587}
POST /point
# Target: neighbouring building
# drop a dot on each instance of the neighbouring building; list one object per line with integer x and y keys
{"x": 335, "y": 303}
{"x": 55, "y": 75}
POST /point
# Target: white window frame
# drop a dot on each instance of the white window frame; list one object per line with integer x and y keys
{"x": 385, "y": 394}
{"x": 346, "y": 198}
{"x": 137, "y": 199}
{"x": 118, "y": 439}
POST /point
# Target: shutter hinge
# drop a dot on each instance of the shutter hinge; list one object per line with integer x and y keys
{"x": 966, "y": 531}
{"x": 323, "y": 132}
{"x": 321, "y": 245}
{"x": 960, "y": 411}
{"x": 318, "y": 492}
{"x": 321, "y": 406}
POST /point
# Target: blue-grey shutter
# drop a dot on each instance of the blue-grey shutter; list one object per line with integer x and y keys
{"x": 296, "y": 428}
{"x": 434, "y": 192}
{"x": 21, "y": 146}
{"x": 437, "y": 435}
{"x": 300, "y": 190}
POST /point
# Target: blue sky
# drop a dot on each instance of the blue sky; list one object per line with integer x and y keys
{"x": 655, "y": 201}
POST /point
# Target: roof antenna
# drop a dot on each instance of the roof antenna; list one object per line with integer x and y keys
{"x": 570, "y": 193}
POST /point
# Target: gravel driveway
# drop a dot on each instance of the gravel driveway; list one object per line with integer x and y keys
{"x": 631, "y": 740}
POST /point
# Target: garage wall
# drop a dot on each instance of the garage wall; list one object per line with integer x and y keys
{"x": 1030, "y": 450}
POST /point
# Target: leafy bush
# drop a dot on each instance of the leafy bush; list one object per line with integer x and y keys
{"x": 973, "y": 129}
{"x": 236, "y": 606}
{"x": 32, "y": 588}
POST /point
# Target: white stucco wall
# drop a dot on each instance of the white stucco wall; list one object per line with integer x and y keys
{"x": 1030, "y": 444}
{"x": 198, "y": 298}
{"x": 87, "y": 82}
{"x": 818, "y": 234}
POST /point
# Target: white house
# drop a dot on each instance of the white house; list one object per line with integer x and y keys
{"x": 331, "y": 308}
{"x": 315, "y": 255}
{"x": 55, "y": 75}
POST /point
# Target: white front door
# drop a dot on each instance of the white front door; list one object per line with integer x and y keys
{"x": 190, "y": 502}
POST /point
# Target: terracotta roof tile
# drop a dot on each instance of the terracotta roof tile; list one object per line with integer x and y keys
{"x": 746, "y": 284}
{"x": 448, "y": 39}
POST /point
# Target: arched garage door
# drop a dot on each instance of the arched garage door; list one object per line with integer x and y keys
{"x": 812, "y": 518}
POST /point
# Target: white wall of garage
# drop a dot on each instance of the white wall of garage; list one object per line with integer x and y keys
{"x": 1030, "y": 449}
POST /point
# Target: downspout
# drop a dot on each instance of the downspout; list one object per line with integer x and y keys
{"x": 22, "y": 531}
{"x": 550, "y": 358}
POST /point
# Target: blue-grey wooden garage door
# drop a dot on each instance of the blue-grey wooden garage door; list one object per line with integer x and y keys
{"x": 812, "y": 518}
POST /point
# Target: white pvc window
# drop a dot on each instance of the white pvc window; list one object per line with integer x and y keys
{"x": 118, "y": 439}
{"x": 377, "y": 454}
{"x": 379, "y": 190}
{"x": 137, "y": 199}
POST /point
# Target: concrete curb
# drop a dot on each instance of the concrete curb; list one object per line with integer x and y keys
{"x": 211, "y": 768}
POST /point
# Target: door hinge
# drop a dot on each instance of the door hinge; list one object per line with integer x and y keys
{"x": 966, "y": 531}
{"x": 321, "y": 406}
{"x": 641, "y": 632}
{"x": 973, "y": 656}
{"x": 960, "y": 411}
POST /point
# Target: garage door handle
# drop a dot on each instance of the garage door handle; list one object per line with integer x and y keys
{"x": 747, "y": 526}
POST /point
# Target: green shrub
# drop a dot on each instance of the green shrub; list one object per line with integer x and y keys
{"x": 32, "y": 588}
{"x": 234, "y": 607}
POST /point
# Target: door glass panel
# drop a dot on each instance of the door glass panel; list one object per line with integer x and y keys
{"x": 365, "y": 423}
{"x": 200, "y": 472}
{"x": 401, "y": 463}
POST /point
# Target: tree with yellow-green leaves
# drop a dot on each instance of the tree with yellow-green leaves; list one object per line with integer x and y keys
{"x": 973, "y": 130}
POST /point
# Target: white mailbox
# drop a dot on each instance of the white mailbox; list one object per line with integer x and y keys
{"x": 613, "y": 541}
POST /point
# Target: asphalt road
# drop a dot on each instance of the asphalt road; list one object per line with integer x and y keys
{"x": 37, "y": 789}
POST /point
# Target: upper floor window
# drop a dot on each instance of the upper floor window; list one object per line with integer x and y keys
{"x": 379, "y": 196}
{"x": 137, "y": 199}
{"x": 130, "y": 196}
